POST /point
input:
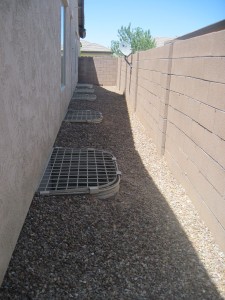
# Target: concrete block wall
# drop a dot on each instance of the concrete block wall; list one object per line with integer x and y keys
{"x": 132, "y": 77}
{"x": 98, "y": 70}
{"x": 195, "y": 136}
{"x": 147, "y": 90}
{"x": 178, "y": 93}
{"x": 122, "y": 75}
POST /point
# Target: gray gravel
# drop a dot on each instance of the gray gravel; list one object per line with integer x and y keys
{"x": 148, "y": 243}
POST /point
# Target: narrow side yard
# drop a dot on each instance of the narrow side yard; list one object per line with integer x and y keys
{"x": 148, "y": 243}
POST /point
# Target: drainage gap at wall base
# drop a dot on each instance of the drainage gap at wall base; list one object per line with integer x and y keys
{"x": 81, "y": 171}
{"x": 83, "y": 116}
{"x": 88, "y": 97}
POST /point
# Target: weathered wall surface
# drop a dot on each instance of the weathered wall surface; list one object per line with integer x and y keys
{"x": 99, "y": 70}
{"x": 195, "y": 137}
{"x": 178, "y": 93}
{"x": 32, "y": 103}
{"x": 122, "y": 75}
{"x": 147, "y": 90}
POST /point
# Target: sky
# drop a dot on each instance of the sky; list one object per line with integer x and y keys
{"x": 164, "y": 18}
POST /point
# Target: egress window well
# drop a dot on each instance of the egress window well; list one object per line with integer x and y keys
{"x": 83, "y": 116}
{"x": 81, "y": 171}
{"x": 85, "y": 86}
{"x": 88, "y": 97}
{"x": 84, "y": 90}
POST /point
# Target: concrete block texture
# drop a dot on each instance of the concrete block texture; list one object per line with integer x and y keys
{"x": 219, "y": 124}
{"x": 215, "y": 96}
{"x": 203, "y": 209}
{"x": 100, "y": 70}
{"x": 207, "y": 116}
{"x": 209, "y": 194}
{"x": 197, "y": 89}
{"x": 180, "y": 101}
{"x": 214, "y": 69}
{"x": 212, "y": 44}
{"x": 33, "y": 103}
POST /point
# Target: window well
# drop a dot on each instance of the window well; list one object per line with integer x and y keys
{"x": 80, "y": 171}
{"x": 83, "y": 116}
{"x": 88, "y": 97}
{"x": 85, "y": 85}
{"x": 84, "y": 90}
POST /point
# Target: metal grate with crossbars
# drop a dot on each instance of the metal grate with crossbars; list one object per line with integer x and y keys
{"x": 79, "y": 171}
{"x": 85, "y": 85}
{"x": 83, "y": 116}
{"x": 88, "y": 97}
{"x": 84, "y": 90}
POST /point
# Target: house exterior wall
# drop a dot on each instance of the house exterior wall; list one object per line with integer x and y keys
{"x": 178, "y": 93}
{"x": 32, "y": 103}
{"x": 99, "y": 70}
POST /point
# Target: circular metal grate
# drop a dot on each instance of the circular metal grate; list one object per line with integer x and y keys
{"x": 83, "y": 116}
{"x": 79, "y": 171}
{"x": 88, "y": 97}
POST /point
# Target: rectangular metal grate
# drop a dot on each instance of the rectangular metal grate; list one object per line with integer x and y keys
{"x": 83, "y": 116}
{"x": 85, "y": 85}
{"x": 84, "y": 90}
{"x": 88, "y": 97}
{"x": 78, "y": 171}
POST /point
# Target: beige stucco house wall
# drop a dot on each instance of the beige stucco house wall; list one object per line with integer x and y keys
{"x": 32, "y": 102}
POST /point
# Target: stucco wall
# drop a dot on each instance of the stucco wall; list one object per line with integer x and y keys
{"x": 99, "y": 70}
{"x": 32, "y": 103}
{"x": 178, "y": 93}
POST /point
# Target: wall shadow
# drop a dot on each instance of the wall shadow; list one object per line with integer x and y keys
{"x": 131, "y": 247}
{"x": 87, "y": 71}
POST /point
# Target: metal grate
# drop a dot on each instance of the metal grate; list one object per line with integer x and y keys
{"x": 85, "y": 85}
{"x": 79, "y": 171}
{"x": 84, "y": 90}
{"x": 88, "y": 97}
{"x": 82, "y": 116}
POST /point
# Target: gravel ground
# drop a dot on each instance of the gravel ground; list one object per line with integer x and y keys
{"x": 147, "y": 243}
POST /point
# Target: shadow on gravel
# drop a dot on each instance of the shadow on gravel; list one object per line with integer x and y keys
{"x": 131, "y": 247}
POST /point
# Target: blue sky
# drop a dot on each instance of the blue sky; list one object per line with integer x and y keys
{"x": 164, "y": 18}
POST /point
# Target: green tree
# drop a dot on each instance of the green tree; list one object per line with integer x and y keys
{"x": 138, "y": 38}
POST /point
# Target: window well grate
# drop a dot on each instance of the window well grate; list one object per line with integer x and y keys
{"x": 80, "y": 171}
{"x": 88, "y": 97}
{"x": 85, "y": 85}
{"x": 82, "y": 116}
{"x": 84, "y": 90}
